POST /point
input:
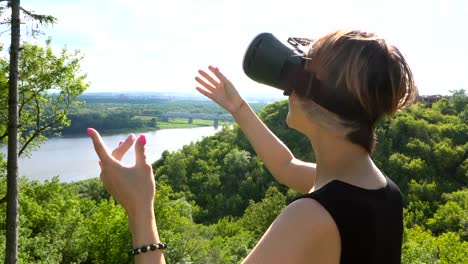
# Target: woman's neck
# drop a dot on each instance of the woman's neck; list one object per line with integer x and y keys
{"x": 339, "y": 159}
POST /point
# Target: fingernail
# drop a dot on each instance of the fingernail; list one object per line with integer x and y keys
{"x": 217, "y": 68}
{"x": 100, "y": 163}
{"x": 120, "y": 142}
{"x": 88, "y": 130}
{"x": 142, "y": 140}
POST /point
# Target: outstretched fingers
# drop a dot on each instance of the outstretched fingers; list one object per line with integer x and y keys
{"x": 205, "y": 93}
{"x": 140, "y": 151}
{"x": 218, "y": 74}
{"x": 100, "y": 146}
{"x": 123, "y": 147}
{"x": 210, "y": 79}
{"x": 205, "y": 84}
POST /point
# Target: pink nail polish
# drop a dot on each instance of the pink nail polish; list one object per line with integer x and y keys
{"x": 88, "y": 130}
{"x": 217, "y": 69}
{"x": 100, "y": 163}
{"x": 120, "y": 142}
{"x": 142, "y": 140}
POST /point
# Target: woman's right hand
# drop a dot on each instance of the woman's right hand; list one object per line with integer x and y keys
{"x": 222, "y": 91}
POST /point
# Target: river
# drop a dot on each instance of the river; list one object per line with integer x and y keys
{"x": 74, "y": 159}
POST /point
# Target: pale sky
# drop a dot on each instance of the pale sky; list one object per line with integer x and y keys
{"x": 153, "y": 45}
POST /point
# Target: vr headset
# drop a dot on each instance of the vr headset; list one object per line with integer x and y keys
{"x": 270, "y": 62}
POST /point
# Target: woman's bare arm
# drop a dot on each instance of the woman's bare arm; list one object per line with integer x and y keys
{"x": 276, "y": 156}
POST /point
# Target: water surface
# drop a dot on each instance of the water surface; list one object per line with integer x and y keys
{"x": 74, "y": 159}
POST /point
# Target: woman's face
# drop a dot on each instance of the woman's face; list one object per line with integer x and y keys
{"x": 298, "y": 119}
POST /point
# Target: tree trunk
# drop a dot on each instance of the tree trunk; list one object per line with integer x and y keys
{"x": 11, "y": 250}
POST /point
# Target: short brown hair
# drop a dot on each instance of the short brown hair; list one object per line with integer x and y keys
{"x": 374, "y": 75}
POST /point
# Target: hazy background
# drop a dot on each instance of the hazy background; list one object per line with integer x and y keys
{"x": 149, "y": 45}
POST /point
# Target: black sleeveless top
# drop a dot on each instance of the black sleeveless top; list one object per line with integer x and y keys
{"x": 370, "y": 222}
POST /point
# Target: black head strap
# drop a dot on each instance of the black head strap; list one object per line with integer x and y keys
{"x": 338, "y": 101}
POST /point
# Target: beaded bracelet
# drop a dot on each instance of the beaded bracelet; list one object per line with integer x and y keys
{"x": 146, "y": 248}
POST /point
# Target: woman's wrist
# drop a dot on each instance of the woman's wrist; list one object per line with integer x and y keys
{"x": 143, "y": 227}
{"x": 242, "y": 105}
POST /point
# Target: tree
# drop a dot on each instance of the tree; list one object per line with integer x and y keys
{"x": 13, "y": 118}
{"x": 11, "y": 249}
{"x": 459, "y": 100}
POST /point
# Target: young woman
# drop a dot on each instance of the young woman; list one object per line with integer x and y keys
{"x": 350, "y": 212}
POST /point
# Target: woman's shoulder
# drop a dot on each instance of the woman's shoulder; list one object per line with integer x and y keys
{"x": 303, "y": 210}
{"x": 304, "y": 231}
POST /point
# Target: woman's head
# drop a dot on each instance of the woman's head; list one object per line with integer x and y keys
{"x": 363, "y": 76}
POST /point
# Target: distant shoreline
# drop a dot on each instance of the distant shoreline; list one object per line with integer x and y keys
{"x": 136, "y": 130}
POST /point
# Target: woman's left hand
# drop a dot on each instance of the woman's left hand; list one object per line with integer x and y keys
{"x": 132, "y": 186}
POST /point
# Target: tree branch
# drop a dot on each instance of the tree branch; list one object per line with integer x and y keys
{"x": 5, "y": 31}
{"x": 43, "y": 19}
{"x": 26, "y": 101}
{"x": 37, "y": 132}
{"x": 38, "y": 113}
{"x": 4, "y": 135}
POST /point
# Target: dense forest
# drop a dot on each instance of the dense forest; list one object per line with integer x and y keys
{"x": 214, "y": 198}
{"x": 120, "y": 113}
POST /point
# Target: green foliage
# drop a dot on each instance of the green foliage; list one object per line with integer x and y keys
{"x": 108, "y": 234}
{"x": 215, "y": 199}
{"x": 422, "y": 203}
{"x": 259, "y": 216}
{"x": 177, "y": 229}
{"x": 59, "y": 225}
{"x": 51, "y": 228}
{"x": 3, "y": 167}
{"x": 427, "y": 144}
{"x": 420, "y": 246}
{"x": 105, "y": 121}
{"x": 49, "y": 85}
{"x": 216, "y": 175}
{"x": 4, "y": 72}
{"x": 90, "y": 189}
{"x": 452, "y": 215}
{"x": 451, "y": 249}
{"x": 459, "y": 100}
{"x": 224, "y": 242}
